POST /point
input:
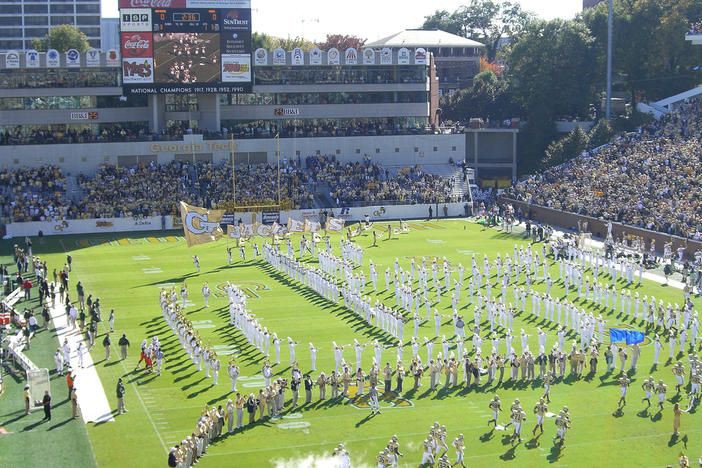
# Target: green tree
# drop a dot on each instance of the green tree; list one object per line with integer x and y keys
{"x": 290, "y": 43}
{"x": 486, "y": 21}
{"x": 567, "y": 148}
{"x": 534, "y": 137}
{"x": 443, "y": 20}
{"x": 651, "y": 57}
{"x": 264, "y": 41}
{"x": 268, "y": 42}
{"x": 553, "y": 69}
{"x": 601, "y": 133}
{"x": 488, "y": 98}
{"x": 62, "y": 38}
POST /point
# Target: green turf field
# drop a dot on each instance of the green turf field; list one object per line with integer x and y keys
{"x": 126, "y": 273}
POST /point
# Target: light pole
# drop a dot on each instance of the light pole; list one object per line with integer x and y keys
{"x": 608, "y": 102}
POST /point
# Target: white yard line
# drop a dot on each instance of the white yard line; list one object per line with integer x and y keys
{"x": 91, "y": 395}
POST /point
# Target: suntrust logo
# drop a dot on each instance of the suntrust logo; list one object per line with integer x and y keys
{"x": 235, "y": 22}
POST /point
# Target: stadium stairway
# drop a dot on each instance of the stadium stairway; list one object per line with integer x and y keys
{"x": 73, "y": 190}
{"x": 322, "y": 198}
{"x": 450, "y": 172}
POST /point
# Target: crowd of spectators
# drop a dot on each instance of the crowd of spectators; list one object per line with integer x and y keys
{"x": 249, "y": 130}
{"x": 67, "y": 135}
{"x": 649, "y": 179}
{"x": 34, "y": 194}
{"x": 695, "y": 29}
{"x": 152, "y": 189}
{"x": 363, "y": 183}
{"x": 331, "y": 128}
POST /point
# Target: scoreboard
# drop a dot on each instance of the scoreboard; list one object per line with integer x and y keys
{"x": 185, "y": 46}
{"x": 186, "y": 20}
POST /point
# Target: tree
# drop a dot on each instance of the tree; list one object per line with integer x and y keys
{"x": 651, "y": 57}
{"x": 601, "y": 133}
{"x": 62, "y": 38}
{"x": 264, "y": 41}
{"x": 443, "y": 20}
{"x": 291, "y": 43}
{"x": 488, "y": 66}
{"x": 553, "y": 69}
{"x": 268, "y": 42}
{"x": 538, "y": 132}
{"x": 341, "y": 42}
{"x": 488, "y": 98}
{"x": 485, "y": 21}
{"x": 567, "y": 148}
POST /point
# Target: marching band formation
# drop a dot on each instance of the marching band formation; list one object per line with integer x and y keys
{"x": 589, "y": 278}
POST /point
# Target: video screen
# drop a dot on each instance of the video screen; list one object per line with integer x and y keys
{"x": 187, "y": 58}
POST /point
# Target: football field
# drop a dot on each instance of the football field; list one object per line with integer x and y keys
{"x": 126, "y": 272}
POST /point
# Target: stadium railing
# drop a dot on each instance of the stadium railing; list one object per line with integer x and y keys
{"x": 598, "y": 227}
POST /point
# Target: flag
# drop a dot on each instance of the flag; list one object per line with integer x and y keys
{"x": 200, "y": 225}
{"x": 295, "y": 225}
{"x": 634, "y": 337}
{"x": 335, "y": 224}
{"x": 626, "y": 336}
{"x": 617, "y": 336}
{"x": 233, "y": 232}
{"x": 248, "y": 230}
{"x": 312, "y": 226}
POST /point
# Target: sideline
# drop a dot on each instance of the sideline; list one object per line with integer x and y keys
{"x": 598, "y": 244}
{"x": 89, "y": 390}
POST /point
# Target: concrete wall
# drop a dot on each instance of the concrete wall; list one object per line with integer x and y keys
{"x": 405, "y": 150}
{"x": 89, "y": 226}
{"x": 326, "y": 111}
{"x": 154, "y": 223}
{"x": 492, "y": 152}
{"x": 598, "y": 227}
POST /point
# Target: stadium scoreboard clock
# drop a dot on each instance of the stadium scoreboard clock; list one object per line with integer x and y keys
{"x": 186, "y": 20}
{"x": 185, "y": 46}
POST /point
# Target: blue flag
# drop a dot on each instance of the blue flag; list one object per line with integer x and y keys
{"x": 634, "y": 337}
{"x": 625, "y": 336}
{"x": 617, "y": 336}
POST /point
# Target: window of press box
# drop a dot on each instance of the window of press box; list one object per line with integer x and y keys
{"x": 293, "y": 99}
{"x": 60, "y": 78}
{"x": 181, "y": 103}
{"x": 132, "y": 100}
{"x": 339, "y": 75}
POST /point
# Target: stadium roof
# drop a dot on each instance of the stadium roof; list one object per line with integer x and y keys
{"x": 424, "y": 38}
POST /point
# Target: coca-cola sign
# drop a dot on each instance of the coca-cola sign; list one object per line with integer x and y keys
{"x": 137, "y": 45}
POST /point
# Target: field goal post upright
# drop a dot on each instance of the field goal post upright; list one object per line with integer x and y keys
{"x": 277, "y": 205}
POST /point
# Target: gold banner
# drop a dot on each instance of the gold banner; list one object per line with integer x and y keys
{"x": 200, "y": 225}
{"x": 335, "y": 224}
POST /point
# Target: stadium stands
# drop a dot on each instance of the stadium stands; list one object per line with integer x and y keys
{"x": 34, "y": 194}
{"x": 146, "y": 190}
{"x": 648, "y": 179}
{"x": 110, "y": 133}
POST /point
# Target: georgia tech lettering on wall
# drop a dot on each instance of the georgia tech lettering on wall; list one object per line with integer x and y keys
{"x": 191, "y": 148}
